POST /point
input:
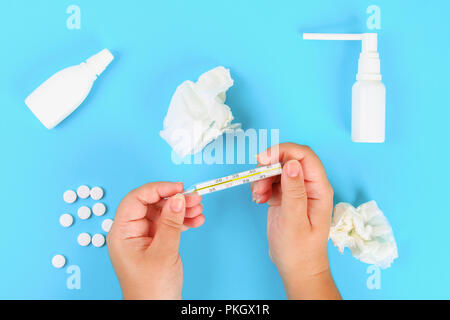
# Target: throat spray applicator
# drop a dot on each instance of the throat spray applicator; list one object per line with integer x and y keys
{"x": 368, "y": 92}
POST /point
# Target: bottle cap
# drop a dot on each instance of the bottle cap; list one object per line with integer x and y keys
{"x": 98, "y": 62}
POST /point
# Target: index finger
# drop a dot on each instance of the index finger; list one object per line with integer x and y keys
{"x": 135, "y": 204}
{"x": 312, "y": 166}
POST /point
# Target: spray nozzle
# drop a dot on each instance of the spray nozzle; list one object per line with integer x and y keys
{"x": 369, "y": 40}
{"x": 369, "y": 62}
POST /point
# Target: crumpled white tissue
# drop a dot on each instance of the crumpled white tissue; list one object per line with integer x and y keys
{"x": 365, "y": 231}
{"x": 197, "y": 113}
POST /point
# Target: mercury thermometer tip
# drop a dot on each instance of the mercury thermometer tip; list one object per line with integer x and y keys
{"x": 189, "y": 190}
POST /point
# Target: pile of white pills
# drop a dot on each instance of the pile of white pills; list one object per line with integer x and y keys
{"x": 84, "y": 239}
{"x": 84, "y": 212}
{"x": 83, "y": 192}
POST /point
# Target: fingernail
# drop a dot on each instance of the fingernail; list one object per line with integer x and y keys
{"x": 293, "y": 168}
{"x": 256, "y": 188}
{"x": 177, "y": 203}
{"x": 256, "y": 198}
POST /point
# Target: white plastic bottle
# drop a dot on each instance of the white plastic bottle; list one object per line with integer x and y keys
{"x": 62, "y": 93}
{"x": 368, "y": 92}
{"x": 368, "y": 111}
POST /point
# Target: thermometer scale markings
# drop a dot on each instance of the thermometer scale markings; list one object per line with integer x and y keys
{"x": 236, "y": 179}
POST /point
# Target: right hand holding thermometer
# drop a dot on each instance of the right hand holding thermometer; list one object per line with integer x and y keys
{"x": 298, "y": 221}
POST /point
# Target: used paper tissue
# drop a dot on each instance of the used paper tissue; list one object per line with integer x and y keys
{"x": 197, "y": 113}
{"x": 365, "y": 231}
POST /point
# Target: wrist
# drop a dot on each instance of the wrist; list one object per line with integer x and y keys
{"x": 304, "y": 269}
{"x": 142, "y": 294}
{"x": 131, "y": 292}
{"x": 300, "y": 277}
{"x": 318, "y": 285}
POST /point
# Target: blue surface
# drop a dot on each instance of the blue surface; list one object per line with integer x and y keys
{"x": 301, "y": 87}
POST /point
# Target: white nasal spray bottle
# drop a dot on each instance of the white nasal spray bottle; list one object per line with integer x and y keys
{"x": 368, "y": 92}
{"x": 62, "y": 93}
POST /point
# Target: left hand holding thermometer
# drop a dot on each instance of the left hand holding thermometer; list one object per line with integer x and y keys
{"x": 143, "y": 243}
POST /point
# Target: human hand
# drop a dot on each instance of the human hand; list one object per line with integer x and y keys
{"x": 298, "y": 221}
{"x": 144, "y": 240}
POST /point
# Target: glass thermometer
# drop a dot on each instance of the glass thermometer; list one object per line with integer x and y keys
{"x": 236, "y": 179}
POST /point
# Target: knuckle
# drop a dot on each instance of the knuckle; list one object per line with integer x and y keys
{"x": 133, "y": 192}
{"x": 307, "y": 150}
{"x": 296, "y": 192}
{"x": 171, "y": 223}
{"x": 298, "y": 150}
{"x": 289, "y": 144}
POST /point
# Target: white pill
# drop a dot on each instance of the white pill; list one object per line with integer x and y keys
{"x": 70, "y": 196}
{"x": 96, "y": 193}
{"x": 99, "y": 209}
{"x": 83, "y": 192}
{"x": 84, "y": 239}
{"x": 66, "y": 220}
{"x": 84, "y": 212}
{"x": 58, "y": 261}
{"x": 107, "y": 224}
{"x": 98, "y": 240}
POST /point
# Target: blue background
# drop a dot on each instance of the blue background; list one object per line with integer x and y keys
{"x": 301, "y": 87}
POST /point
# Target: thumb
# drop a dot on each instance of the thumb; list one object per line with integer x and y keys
{"x": 294, "y": 199}
{"x": 167, "y": 236}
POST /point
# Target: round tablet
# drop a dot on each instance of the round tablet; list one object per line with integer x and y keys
{"x": 83, "y": 192}
{"x": 84, "y": 239}
{"x": 96, "y": 193}
{"x": 70, "y": 196}
{"x": 98, "y": 240}
{"x": 99, "y": 209}
{"x": 84, "y": 212}
{"x": 107, "y": 224}
{"x": 66, "y": 220}
{"x": 58, "y": 261}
